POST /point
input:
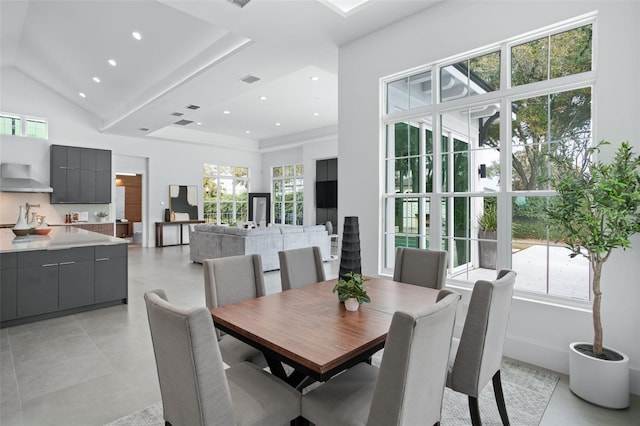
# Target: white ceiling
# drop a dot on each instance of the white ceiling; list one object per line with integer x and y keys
{"x": 192, "y": 52}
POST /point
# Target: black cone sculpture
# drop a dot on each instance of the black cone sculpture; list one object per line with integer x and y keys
{"x": 350, "y": 254}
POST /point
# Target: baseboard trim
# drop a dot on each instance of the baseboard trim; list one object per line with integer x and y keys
{"x": 553, "y": 359}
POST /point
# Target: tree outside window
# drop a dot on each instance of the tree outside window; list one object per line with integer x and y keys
{"x": 225, "y": 190}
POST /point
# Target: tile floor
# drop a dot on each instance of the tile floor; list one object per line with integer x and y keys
{"x": 94, "y": 367}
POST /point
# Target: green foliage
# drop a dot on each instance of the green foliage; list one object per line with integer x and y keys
{"x": 597, "y": 207}
{"x": 540, "y": 122}
{"x": 352, "y": 288}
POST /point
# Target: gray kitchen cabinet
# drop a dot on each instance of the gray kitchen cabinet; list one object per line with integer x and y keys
{"x": 73, "y": 186}
{"x": 111, "y": 273}
{"x": 37, "y": 290}
{"x": 103, "y": 176}
{"x": 80, "y": 175}
{"x": 87, "y": 159}
{"x": 55, "y": 280}
{"x": 87, "y": 185}
{"x": 8, "y": 285}
{"x": 75, "y": 277}
{"x": 61, "y": 275}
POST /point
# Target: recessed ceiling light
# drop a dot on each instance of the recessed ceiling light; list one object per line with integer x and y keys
{"x": 316, "y": 114}
{"x": 82, "y": 95}
{"x": 199, "y": 123}
{"x": 247, "y": 131}
{"x": 345, "y": 6}
{"x": 263, "y": 98}
{"x": 315, "y": 78}
{"x": 277, "y": 124}
{"x": 226, "y": 111}
{"x": 136, "y": 35}
{"x": 112, "y": 62}
{"x": 96, "y": 79}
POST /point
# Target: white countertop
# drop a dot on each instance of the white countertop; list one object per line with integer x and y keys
{"x": 60, "y": 237}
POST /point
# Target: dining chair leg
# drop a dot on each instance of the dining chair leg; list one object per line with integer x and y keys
{"x": 474, "y": 410}
{"x": 306, "y": 382}
{"x": 497, "y": 390}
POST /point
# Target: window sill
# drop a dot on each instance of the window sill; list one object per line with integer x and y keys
{"x": 526, "y": 296}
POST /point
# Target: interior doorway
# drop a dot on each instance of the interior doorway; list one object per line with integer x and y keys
{"x": 129, "y": 207}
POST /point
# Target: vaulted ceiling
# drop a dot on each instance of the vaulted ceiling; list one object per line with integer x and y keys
{"x": 192, "y": 53}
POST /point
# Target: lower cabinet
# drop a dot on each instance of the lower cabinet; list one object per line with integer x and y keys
{"x": 37, "y": 283}
{"x": 46, "y": 281}
{"x": 76, "y": 278}
{"x": 111, "y": 273}
{"x": 8, "y": 285}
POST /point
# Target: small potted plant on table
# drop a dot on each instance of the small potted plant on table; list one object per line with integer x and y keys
{"x": 352, "y": 291}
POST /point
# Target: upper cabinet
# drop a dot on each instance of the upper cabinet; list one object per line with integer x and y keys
{"x": 80, "y": 175}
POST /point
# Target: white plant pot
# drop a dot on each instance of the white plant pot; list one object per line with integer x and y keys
{"x": 601, "y": 382}
{"x": 351, "y": 304}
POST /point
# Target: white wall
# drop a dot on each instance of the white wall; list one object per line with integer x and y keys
{"x": 305, "y": 149}
{"x": 538, "y": 333}
{"x": 169, "y": 162}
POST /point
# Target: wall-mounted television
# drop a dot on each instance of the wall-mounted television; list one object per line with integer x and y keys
{"x": 327, "y": 194}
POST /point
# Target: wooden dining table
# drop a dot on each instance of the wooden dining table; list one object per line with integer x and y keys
{"x": 310, "y": 330}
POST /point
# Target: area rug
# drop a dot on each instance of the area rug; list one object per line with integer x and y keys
{"x": 527, "y": 391}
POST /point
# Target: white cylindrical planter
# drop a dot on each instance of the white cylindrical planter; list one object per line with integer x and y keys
{"x": 351, "y": 304}
{"x": 601, "y": 382}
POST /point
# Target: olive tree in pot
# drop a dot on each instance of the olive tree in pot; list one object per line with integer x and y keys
{"x": 597, "y": 210}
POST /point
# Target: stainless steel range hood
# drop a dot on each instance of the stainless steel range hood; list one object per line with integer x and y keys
{"x": 17, "y": 178}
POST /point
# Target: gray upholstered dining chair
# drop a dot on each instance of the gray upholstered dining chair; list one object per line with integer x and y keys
{"x": 475, "y": 357}
{"x": 195, "y": 387}
{"x": 301, "y": 267}
{"x": 408, "y": 387}
{"x": 427, "y": 268}
{"x": 230, "y": 280}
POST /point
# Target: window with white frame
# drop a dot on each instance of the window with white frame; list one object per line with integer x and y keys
{"x": 226, "y": 193}
{"x": 467, "y": 164}
{"x": 287, "y": 192}
{"x": 16, "y": 125}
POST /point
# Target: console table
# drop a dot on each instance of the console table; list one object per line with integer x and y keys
{"x": 160, "y": 230}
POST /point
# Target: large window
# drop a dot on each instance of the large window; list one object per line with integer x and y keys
{"x": 468, "y": 143}
{"x": 287, "y": 190}
{"x": 225, "y": 190}
{"x": 11, "y": 124}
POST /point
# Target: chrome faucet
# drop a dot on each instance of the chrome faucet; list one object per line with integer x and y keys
{"x": 28, "y": 206}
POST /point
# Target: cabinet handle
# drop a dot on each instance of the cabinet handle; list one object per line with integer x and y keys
{"x": 102, "y": 259}
{"x": 47, "y": 265}
{"x": 66, "y": 263}
{"x": 63, "y": 167}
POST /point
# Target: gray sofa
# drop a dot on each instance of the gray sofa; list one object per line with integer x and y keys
{"x": 209, "y": 241}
